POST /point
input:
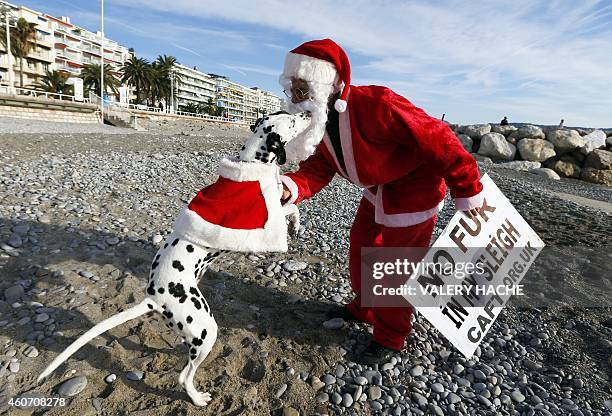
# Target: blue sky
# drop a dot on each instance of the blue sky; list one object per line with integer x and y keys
{"x": 477, "y": 61}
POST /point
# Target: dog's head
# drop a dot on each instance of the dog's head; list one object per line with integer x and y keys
{"x": 270, "y": 135}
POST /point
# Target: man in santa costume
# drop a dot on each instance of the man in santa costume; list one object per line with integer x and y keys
{"x": 402, "y": 158}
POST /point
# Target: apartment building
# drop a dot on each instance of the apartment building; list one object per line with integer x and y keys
{"x": 60, "y": 45}
{"x": 268, "y": 102}
{"x": 75, "y": 47}
{"x": 193, "y": 86}
{"x": 41, "y": 56}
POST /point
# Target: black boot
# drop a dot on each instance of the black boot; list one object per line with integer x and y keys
{"x": 340, "y": 312}
{"x": 375, "y": 354}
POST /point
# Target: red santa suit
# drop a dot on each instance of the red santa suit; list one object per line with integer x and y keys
{"x": 404, "y": 160}
{"x": 241, "y": 211}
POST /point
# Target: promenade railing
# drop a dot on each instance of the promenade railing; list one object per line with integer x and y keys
{"x": 27, "y": 92}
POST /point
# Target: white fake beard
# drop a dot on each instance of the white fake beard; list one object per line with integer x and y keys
{"x": 306, "y": 142}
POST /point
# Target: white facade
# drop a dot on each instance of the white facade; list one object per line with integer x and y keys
{"x": 61, "y": 46}
{"x": 193, "y": 86}
{"x": 268, "y": 102}
{"x": 42, "y": 55}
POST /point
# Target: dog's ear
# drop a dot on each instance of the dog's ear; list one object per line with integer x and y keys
{"x": 279, "y": 112}
{"x": 257, "y": 123}
{"x": 276, "y": 146}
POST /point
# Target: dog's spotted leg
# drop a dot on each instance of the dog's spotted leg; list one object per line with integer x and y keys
{"x": 198, "y": 351}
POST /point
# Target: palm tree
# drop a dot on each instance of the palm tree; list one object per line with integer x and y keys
{"x": 136, "y": 72}
{"x": 90, "y": 73}
{"x": 166, "y": 76}
{"x": 55, "y": 82}
{"x": 23, "y": 39}
{"x": 189, "y": 108}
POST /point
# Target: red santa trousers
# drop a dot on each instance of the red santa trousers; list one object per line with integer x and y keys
{"x": 391, "y": 325}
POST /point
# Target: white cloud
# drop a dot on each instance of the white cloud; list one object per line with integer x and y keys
{"x": 475, "y": 60}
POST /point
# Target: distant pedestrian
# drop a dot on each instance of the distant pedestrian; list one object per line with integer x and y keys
{"x": 504, "y": 122}
{"x": 561, "y": 124}
{"x": 443, "y": 116}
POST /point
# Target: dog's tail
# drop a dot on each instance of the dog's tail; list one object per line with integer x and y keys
{"x": 109, "y": 323}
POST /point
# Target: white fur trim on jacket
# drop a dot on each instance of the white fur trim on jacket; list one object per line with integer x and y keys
{"x": 397, "y": 220}
{"x": 236, "y": 170}
{"x": 463, "y": 204}
{"x": 292, "y": 188}
{"x": 273, "y": 237}
{"x": 309, "y": 69}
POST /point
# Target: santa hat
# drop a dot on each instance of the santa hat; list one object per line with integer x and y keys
{"x": 320, "y": 61}
{"x": 241, "y": 211}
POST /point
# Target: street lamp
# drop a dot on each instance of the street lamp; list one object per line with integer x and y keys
{"x": 102, "y": 61}
{"x": 9, "y": 55}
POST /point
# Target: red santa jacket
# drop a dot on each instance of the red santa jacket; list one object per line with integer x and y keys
{"x": 401, "y": 156}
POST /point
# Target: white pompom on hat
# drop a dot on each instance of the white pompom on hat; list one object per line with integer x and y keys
{"x": 321, "y": 61}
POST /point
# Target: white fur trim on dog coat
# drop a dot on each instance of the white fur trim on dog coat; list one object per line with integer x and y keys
{"x": 241, "y": 211}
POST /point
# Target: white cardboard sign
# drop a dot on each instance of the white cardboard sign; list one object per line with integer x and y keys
{"x": 503, "y": 245}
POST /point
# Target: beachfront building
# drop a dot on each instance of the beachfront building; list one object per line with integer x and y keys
{"x": 239, "y": 103}
{"x": 193, "y": 86}
{"x": 268, "y": 102}
{"x": 60, "y": 45}
{"x": 42, "y": 54}
{"x": 75, "y": 47}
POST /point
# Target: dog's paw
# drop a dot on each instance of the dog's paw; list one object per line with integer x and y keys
{"x": 201, "y": 398}
{"x": 293, "y": 228}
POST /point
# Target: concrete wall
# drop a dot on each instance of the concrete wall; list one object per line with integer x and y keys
{"x": 48, "y": 109}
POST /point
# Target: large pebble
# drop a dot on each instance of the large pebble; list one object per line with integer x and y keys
{"x": 134, "y": 375}
{"x": 281, "y": 390}
{"x": 374, "y": 392}
{"x": 335, "y": 323}
{"x": 31, "y": 352}
{"x": 416, "y": 371}
{"x": 13, "y": 293}
{"x": 72, "y": 387}
{"x": 294, "y": 265}
{"x": 517, "y": 396}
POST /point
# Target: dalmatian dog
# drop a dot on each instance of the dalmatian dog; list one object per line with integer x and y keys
{"x": 172, "y": 288}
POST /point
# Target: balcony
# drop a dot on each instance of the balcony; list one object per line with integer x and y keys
{"x": 41, "y": 55}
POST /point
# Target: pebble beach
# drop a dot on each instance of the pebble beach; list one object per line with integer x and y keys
{"x": 83, "y": 209}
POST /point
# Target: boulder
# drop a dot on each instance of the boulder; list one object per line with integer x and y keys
{"x": 583, "y": 132}
{"x": 523, "y": 165}
{"x": 547, "y": 173}
{"x": 609, "y": 141}
{"x": 565, "y": 140}
{"x": 599, "y": 159}
{"x": 593, "y": 140}
{"x": 466, "y": 141}
{"x": 528, "y": 132}
{"x": 475, "y": 131}
{"x": 496, "y": 146}
{"x": 536, "y": 150}
{"x": 505, "y": 130}
{"x": 576, "y": 155}
{"x": 482, "y": 159}
{"x": 602, "y": 177}
{"x": 565, "y": 168}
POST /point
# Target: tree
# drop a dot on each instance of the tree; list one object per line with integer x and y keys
{"x": 137, "y": 72}
{"x": 90, "y": 73}
{"x": 163, "y": 76}
{"x": 189, "y": 108}
{"x": 55, "y": 82}
{"x": 23, "y": 39}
